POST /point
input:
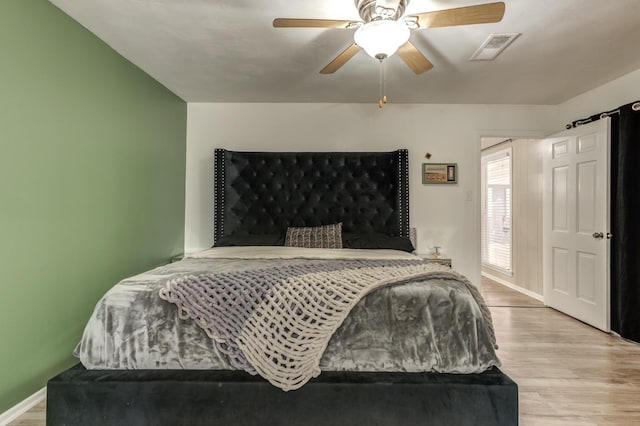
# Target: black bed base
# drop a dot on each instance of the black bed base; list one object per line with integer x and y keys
{"x": 220, "y": 398}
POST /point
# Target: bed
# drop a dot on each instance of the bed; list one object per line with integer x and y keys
{"x": 415, "y": 345}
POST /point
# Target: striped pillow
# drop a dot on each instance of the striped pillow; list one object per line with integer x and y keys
{"x": 326, "y": 236}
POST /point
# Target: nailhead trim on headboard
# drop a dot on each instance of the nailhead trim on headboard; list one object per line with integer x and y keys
{"x": 403, "y": 176}
{"x": 218, "y": 194}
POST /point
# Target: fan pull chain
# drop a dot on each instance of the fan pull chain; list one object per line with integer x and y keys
{"x": 382, "y": 82}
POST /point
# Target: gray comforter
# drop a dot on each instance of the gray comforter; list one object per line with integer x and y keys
{"x": 426, "y": 325}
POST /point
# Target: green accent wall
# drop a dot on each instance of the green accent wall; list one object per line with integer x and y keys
{"x": 92, "y": 177}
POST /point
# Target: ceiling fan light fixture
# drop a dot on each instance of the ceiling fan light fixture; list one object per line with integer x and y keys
{"x": 381, "y": 38}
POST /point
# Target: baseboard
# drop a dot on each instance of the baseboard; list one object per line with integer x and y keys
{"x": 514, "y": 287}
{"x": 22, "y": 407}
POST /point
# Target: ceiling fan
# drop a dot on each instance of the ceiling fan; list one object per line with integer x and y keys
{"x": 385, "y": 29}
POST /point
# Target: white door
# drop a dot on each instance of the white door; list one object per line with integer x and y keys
{"x": 575, "y": 225}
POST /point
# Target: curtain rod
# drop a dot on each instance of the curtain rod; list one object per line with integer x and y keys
{"x": 496, "y": 144}
{"x": 635, "y": 106}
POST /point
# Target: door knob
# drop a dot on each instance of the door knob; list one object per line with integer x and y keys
{"x": 598, "y": 235}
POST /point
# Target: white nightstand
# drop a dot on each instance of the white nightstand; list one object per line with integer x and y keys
{"x": 440, "y": 260}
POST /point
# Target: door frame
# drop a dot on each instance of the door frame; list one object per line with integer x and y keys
{"x": 491, "y": 133}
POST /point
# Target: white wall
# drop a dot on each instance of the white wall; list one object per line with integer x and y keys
{"x": 442, "y": 214}
{"x": 618, "y": 92}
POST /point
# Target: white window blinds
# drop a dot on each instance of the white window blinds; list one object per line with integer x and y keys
{"x": 496, "y": 211}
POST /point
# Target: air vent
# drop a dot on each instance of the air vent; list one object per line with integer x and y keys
{"x": 493, "y": 46}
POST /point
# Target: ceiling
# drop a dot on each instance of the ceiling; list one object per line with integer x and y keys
{"x": 228, "y": 51}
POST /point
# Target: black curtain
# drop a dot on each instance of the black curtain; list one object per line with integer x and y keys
{"x": 625, "y": 219}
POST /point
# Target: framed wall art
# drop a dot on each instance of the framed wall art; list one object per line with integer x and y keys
{"x": 435, "y": 173}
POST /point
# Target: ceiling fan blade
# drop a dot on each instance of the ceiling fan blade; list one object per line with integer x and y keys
{"x": 341, "y": 59}
{"x": 310, "y": 23}
{"x": 479, "y": 14}
{"x": 414, "y": 58}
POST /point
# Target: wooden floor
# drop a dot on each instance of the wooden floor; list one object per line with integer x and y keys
{"x": 568, "y": 373}
{"x": 34, "y": 417}
{"x": 497, "y": 295}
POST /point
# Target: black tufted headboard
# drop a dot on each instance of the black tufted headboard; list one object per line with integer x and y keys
{"x": 265, "y": 192}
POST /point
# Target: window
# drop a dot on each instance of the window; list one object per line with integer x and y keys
{"x": 496, "y": 211}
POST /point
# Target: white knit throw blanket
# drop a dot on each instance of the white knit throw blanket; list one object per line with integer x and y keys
{"x": 278, "y": 321}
